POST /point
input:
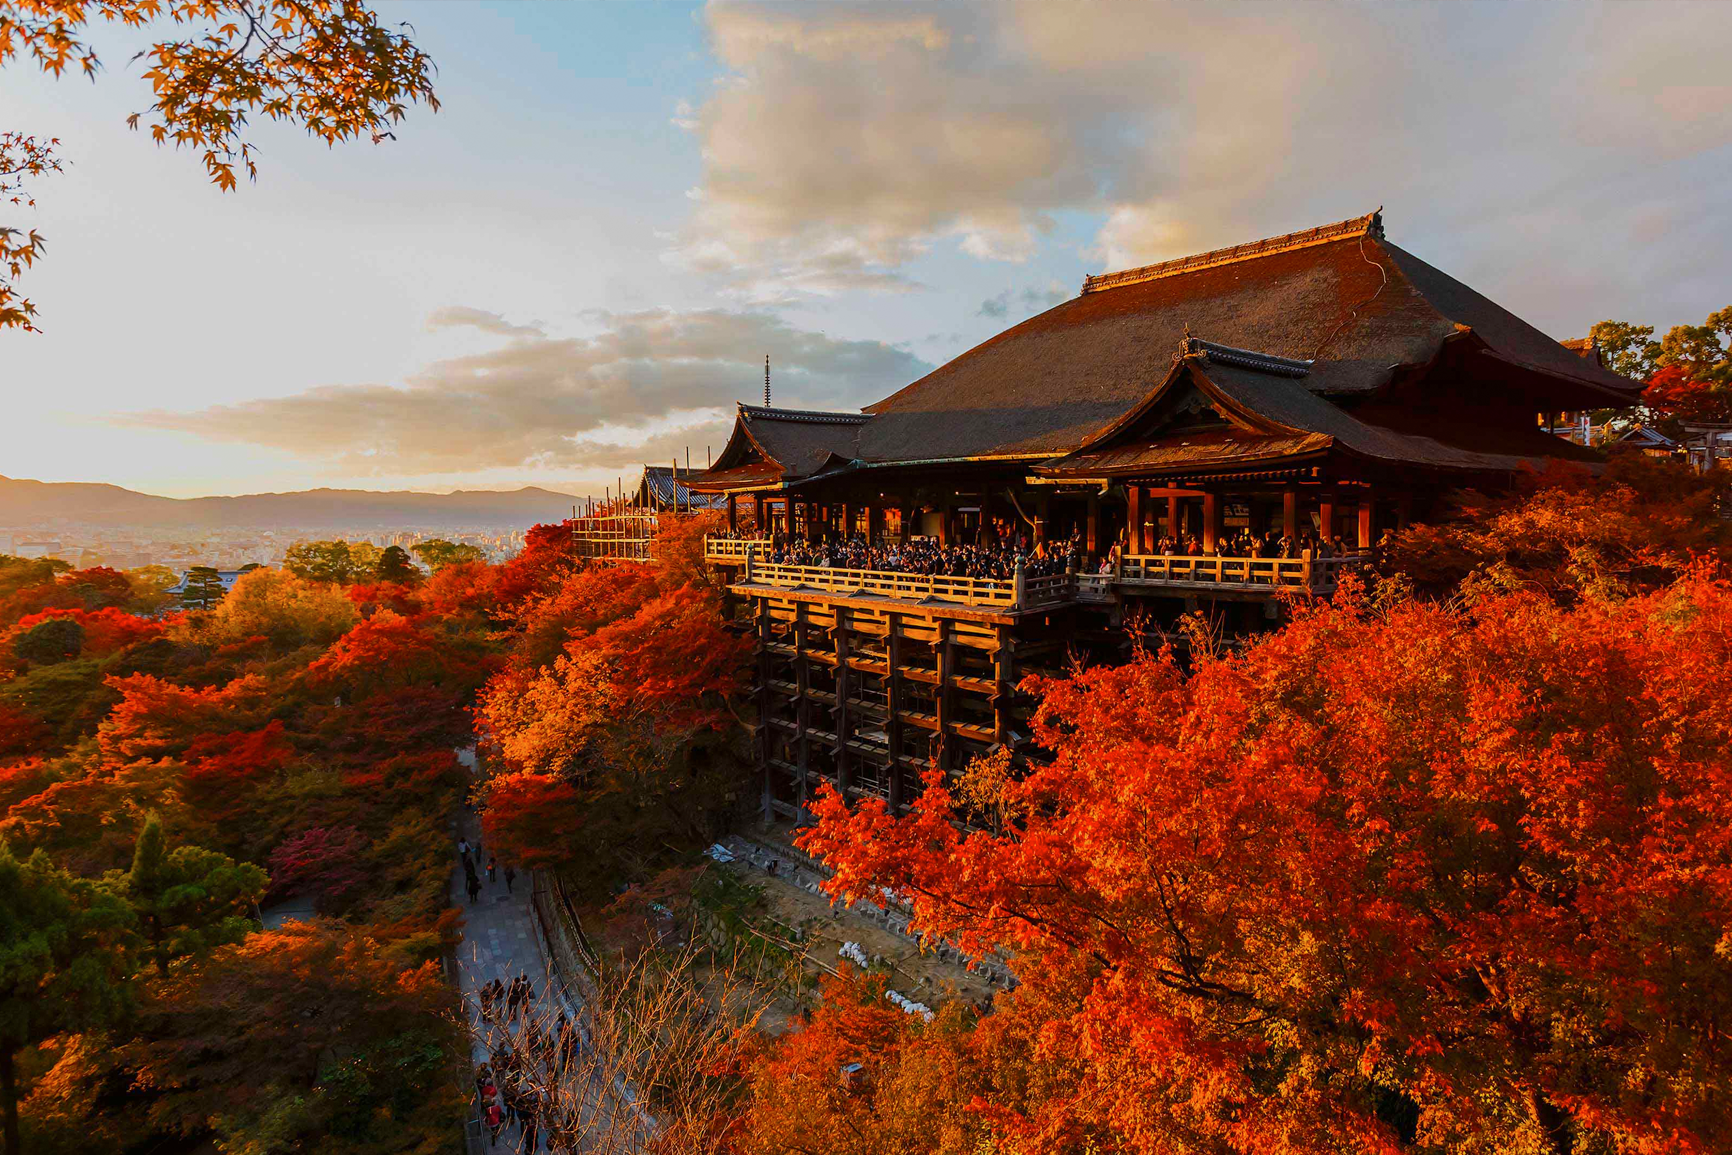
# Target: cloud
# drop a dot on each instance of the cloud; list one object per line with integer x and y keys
{"x": 847, "y": 141}
{"x": 1033, "y": 300}
{"x": 641, "y": 387}
{"x": 464, "y": 317}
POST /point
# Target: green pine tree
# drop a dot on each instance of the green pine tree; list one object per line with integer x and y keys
{"x": 188, "y": 900}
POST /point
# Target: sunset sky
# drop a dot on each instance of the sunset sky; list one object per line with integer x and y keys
{"x": 581, "y": 260}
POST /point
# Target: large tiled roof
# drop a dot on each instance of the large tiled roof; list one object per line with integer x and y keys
{"x": 1341, "y": 297}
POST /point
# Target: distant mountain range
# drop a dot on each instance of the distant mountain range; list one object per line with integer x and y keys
{"x": 24, "y": 503}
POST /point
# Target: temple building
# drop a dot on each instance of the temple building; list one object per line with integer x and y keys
{"x": 1198, "y": 434}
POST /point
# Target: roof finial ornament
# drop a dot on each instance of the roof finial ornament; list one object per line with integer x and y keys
{"x": 766, "y": 380}
{"x": 1185, "y": 347}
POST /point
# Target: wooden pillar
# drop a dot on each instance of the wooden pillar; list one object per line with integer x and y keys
{"x": 1004, "y": 684}
{"x": 1211, "y": 521}
{"x": 760, "y": 524}
{"x": 846, "y": 529}
{"x": 946, "y": 667}
{"x": 1290, "y": 513}
{"x": 1174, "y": 526}
{"x": 874, "y": 522}
{"x": 1366, "y": 504}
{"x": 1093, "y": 544}
{"x": 1042, "y": 515}
{"x": 983, "y": 531}
{"x": 906, "y": 514}
{"x": 895, "y": 697}
{"x": 944, "y": 531}
{"x": 844, "y": 687}
{"x": 765, "y": 730}
{"x": 1134, "y": 538}
{"x": 1326, "y": 515}
{"x": 802, "y": 704}
{"x": 733, "y": 513}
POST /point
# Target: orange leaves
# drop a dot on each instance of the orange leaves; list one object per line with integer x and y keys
{"x": 1398, "y": 861}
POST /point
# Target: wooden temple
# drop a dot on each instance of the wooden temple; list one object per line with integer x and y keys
{"x": 1314, "y": 389}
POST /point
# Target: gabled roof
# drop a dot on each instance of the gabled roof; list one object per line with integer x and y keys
{"x": 1274, "y": 415}
{"x": 772, "y": 445}
{"x": 665, "y": 487}
{"x": 1340, "y": 296}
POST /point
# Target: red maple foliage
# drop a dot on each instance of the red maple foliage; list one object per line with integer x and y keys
{"x": 533, "y": 820}
{"x": 1277, "y": 905}
{"x": 330, "y": 865}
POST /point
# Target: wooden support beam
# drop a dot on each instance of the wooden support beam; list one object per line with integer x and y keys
{"x": 946, "y": 652}
{"x": 1042, "y": 514}
{"x": 1366, "y": 506}
{"x": 1134, "y": 512}
{"x": 1174, "y": 528}
{"x": 1093, "y": 544}
{"x": 760, "y": 523}
{"x": 733, "y": 513}
{"x": 803, "y": 704}
{"x": 1211, "y": 521}
{"x": 1004, "y": 674}
{"x": 846, "y": 528}
{"x": 896, "y": 696}
{"x": 875, "y": 521}
{"x": 1290, "y": 513}
{"x": 788, "y": 517}
{"x": 1326, "y": 515}
{"x": 844, "y": 687}
{"x": 944, "y": 515}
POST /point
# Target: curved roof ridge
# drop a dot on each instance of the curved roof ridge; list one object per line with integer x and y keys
{"x": 1369, "y": 225}
{"x": 1245, "y": 358}
{"x": 774, "y": 413}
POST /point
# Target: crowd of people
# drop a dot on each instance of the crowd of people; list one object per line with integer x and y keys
{"x": 518, "y": 1087}
{"x": 925, "y": 555}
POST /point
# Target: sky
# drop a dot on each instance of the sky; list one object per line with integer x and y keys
{"x": 579, "y": 263}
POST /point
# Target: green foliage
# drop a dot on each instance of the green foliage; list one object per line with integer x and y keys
{"x": 203, "y": 588}
{"x": 438, "y": 553}
{"x": 339, "y": 562}
{"x": 395, "y": 566}
{"x": 65, "y": 958}
{"x": 188, "y": 900}
{"x": 55, "y": 640}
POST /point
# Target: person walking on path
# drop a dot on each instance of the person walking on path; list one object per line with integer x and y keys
{"x": 492, "y": 865}
{"x": 473, "y": 885}
{"x": 510, "y": 877}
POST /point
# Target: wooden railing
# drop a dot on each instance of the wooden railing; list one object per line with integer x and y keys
{"x": 1302, "y": 572}
{"x": 732, "y": 549}
{"x": 1236, "y": 573}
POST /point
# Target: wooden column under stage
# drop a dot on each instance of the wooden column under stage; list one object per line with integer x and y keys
{"x": 1290, "y": 514}
{"x": 1211, "y": 521}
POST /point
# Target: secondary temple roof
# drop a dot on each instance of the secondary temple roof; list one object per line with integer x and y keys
{"x": 1355, "y": 311}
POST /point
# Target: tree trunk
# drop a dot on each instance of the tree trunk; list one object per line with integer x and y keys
{"x": 9, "y": 1094}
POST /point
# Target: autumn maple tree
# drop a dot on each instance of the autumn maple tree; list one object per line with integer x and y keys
{"x": 329, "y": 66}
{"x": 1273, "y": 904}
